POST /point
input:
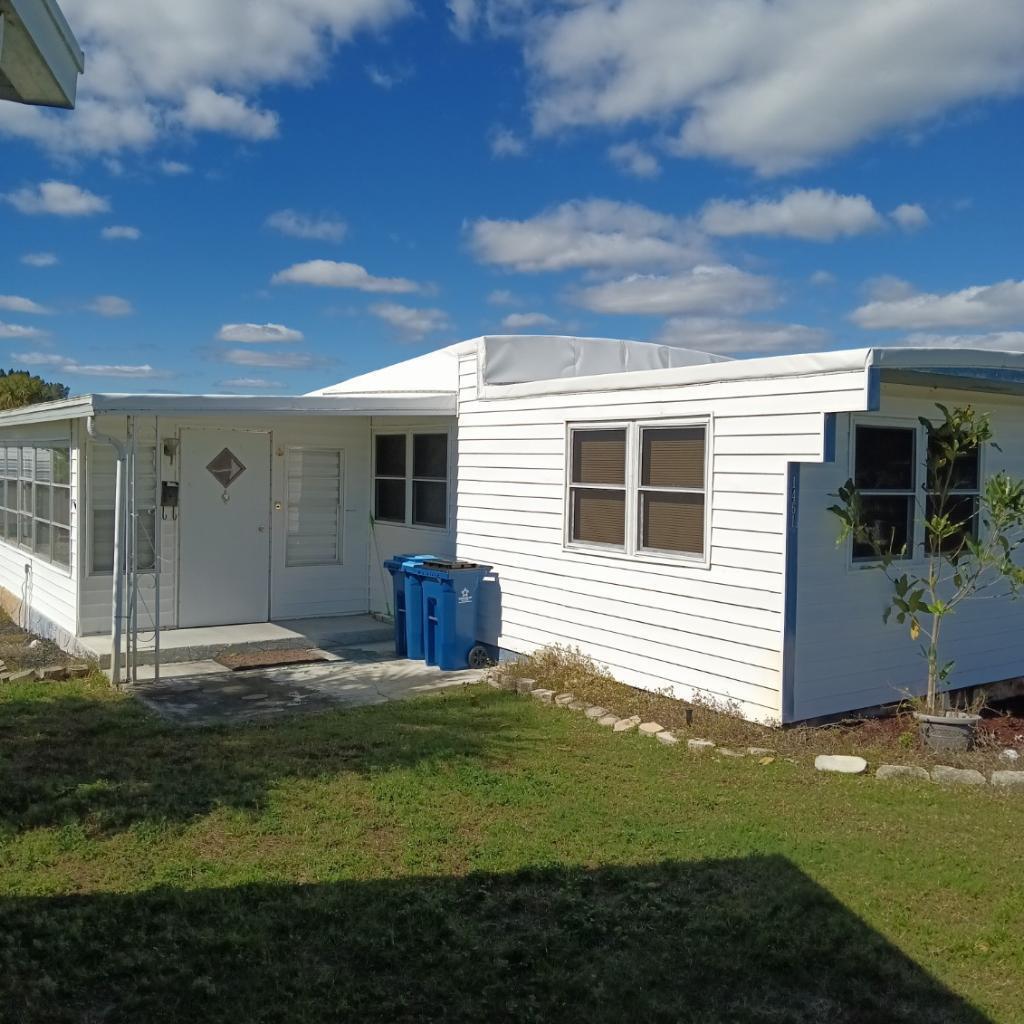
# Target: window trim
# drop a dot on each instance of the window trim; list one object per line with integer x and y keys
{"x": 409, "y": 432}
{"x": 632, "y": 549}
{"x": 340, "y": 452}
{"x": 918, "y": 556}
{"x": 28, "y": 550}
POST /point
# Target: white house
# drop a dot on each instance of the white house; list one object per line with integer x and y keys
{"x": 662, "y": 509}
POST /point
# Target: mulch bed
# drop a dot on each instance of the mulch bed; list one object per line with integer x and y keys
{"x": 242, "y": 660}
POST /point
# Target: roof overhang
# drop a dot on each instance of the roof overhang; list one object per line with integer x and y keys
{"x": 230, "y": 405}
{"x": 40, "y": 59}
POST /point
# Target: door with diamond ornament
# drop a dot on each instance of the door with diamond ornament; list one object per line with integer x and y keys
{"x": 224, "y": 527}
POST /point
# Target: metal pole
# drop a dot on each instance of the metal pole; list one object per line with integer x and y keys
{"x": 117, "y": 592}
{"x": 157, "y": 515}
{"x": 133, "y": 560}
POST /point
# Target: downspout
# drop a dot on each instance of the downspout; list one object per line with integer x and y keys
{"x": 117, "y": 596}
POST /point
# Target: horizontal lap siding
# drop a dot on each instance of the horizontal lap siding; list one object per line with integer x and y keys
{"x": 655, "y": 624}
{"x": 847, "y": 657}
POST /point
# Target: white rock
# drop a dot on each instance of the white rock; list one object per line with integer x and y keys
{"x": 564, "y": 699}
{"x": 650, "y": 728}
{"x": 525, "y": 685}
{"x": 759, "y": 751}
{"x": 608, "y": 720}
{"x": 626, "y": 724}
{"x": 547, "y": 696}
{"x": 843, "y": 763}
{"x": 577, "y": 705}
{"x": 596, "y": 712}
{"x": 1009, "y": 754}
{"x": 699, "y": 745}
{"x": 901, "y": 771}
{"x": 1015, "y": 779}
{"x": 957, "y": 776}
{"x": 667, "y": 738}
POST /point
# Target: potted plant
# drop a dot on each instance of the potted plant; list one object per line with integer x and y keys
{"x": 968, "y": 551}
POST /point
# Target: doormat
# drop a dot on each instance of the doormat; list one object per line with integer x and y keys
{"x": 238, "y": 661}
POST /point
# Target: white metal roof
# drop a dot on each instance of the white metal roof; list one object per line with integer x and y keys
{"x": 40, "y": 59}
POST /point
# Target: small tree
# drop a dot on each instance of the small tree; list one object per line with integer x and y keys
{"x": 969, "y": 545}
{"x": 19, "y": 388}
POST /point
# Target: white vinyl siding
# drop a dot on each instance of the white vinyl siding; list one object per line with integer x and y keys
{"x": 712, "y": 626}
{"x": 315, "y": 503}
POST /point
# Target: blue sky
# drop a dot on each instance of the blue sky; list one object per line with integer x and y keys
{"x": 273, "y": 204}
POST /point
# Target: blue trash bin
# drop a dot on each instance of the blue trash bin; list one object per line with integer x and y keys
{"x": 407, "y": 592}
{"x": 451, "y": 593}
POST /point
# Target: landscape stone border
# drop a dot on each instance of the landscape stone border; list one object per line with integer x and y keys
{"x": 844, "y": 764}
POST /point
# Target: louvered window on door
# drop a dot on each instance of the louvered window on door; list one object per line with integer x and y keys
{"x": 671, "y": 494}
{"x": 597, "y": 489}
{"x": 314, "y": 520}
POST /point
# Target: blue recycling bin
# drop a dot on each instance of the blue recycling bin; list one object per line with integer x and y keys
{"x": 451, "y": 600}
{"x": 407, "y": 591}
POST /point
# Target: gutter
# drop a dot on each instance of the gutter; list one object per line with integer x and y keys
{"x": 117, "y": 594}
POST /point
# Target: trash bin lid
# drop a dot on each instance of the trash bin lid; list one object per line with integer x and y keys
{"x": 440, "y": 563}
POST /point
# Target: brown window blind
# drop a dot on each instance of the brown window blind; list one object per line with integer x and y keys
{"x": 599, "y": 517}
{"x": 673, "y": 457}
{"x": 671, "y": 521}
{"x": 599, "y": 457}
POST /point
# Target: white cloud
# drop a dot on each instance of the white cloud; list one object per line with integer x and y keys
{"x": 992, "y": 305}
{"x": 110, "y": 305}
{"x": 413, "y": 323}
{"x": 1000, "y": 341}
{"x": 174, "y": 168}
{"x": 632, "y": 158}
{"x": 60, "y": 198}
{"x": 300, "y": 225}
{"x": 388, "y": 79}
{"x": 813, "y": 214}
{"x": 242, "y": 383}
{"x": 775, "y": 86}
{"x": 505, "y": 142}
{"x": 279, "y": 360}
{"x": 156, "y": 67}
{"x": 70, "y": 365}
{"x": 595, "y": 234}
{"x": 721, "y": 290}
{"x": 822, "y": 278}
{"x": 910, "y": 216}
{"x": 519, "y": 321}
{"x": 205, "y": 109}
{"x": 464, "y": 15}
{"x": 121, "y": 232}
{"x": 502, "y": 297}
{"x": 887, "y": 288}
{"x": 331, "y": 274}
{"x": 19, "y": 304}
{"x": 18, "y": 331}
{"x": 741, "y": 337}
{"x": 258, "y": 334}
{"x": 40, "y": 259}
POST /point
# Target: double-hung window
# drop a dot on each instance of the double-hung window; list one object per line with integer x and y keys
{"x": 639, "y": 488}
{"x": 885, "y": 470}
{"x": 410, "y": 478}
{"x": 35, "y": 500}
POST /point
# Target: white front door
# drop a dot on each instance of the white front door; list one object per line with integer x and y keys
{"x": 224, "y": 527}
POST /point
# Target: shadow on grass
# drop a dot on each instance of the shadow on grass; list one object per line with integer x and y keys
{"x": 751, "y": 940}
{"x": 78, "y": 756}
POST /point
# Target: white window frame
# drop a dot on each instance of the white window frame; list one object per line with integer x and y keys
{"x": 288, "y": 455}
{"x": 409, "y": 433}
{"x": 918, "y": 553}
{"x": 632, "y": 548}
{"x": 29, "y": 549}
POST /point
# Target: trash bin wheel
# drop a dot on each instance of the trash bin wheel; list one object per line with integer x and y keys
{"x": 479, "y": 657}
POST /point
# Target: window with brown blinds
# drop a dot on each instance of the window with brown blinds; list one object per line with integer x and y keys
{"x": 597, "y": 477}
{"x": 672, "y": 496}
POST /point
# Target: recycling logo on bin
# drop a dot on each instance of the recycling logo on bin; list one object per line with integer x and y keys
{"x": 465, "y": 597}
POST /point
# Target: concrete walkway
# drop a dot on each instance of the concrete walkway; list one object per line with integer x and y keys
{"x": 204, "y": 693}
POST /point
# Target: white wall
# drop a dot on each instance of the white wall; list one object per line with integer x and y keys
{"x": 40, "y": 595}
{"x": 657, "y": 625}
{"x": 845, "y": 657}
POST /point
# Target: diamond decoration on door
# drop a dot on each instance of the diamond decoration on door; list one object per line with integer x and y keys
{"x": 226, "y": 468}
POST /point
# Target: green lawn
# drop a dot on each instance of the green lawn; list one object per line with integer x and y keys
{"x": 477, "y": 857}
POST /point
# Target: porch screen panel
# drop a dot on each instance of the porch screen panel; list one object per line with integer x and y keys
{"x": 314, "y": 507}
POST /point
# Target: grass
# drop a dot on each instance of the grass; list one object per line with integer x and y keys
{"x": 880, "y": 740}
{"x": 474, "y": 856}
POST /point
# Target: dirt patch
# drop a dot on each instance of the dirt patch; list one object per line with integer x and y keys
{"x": 891, "y": 738}
{"x": 239, "y": 661}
